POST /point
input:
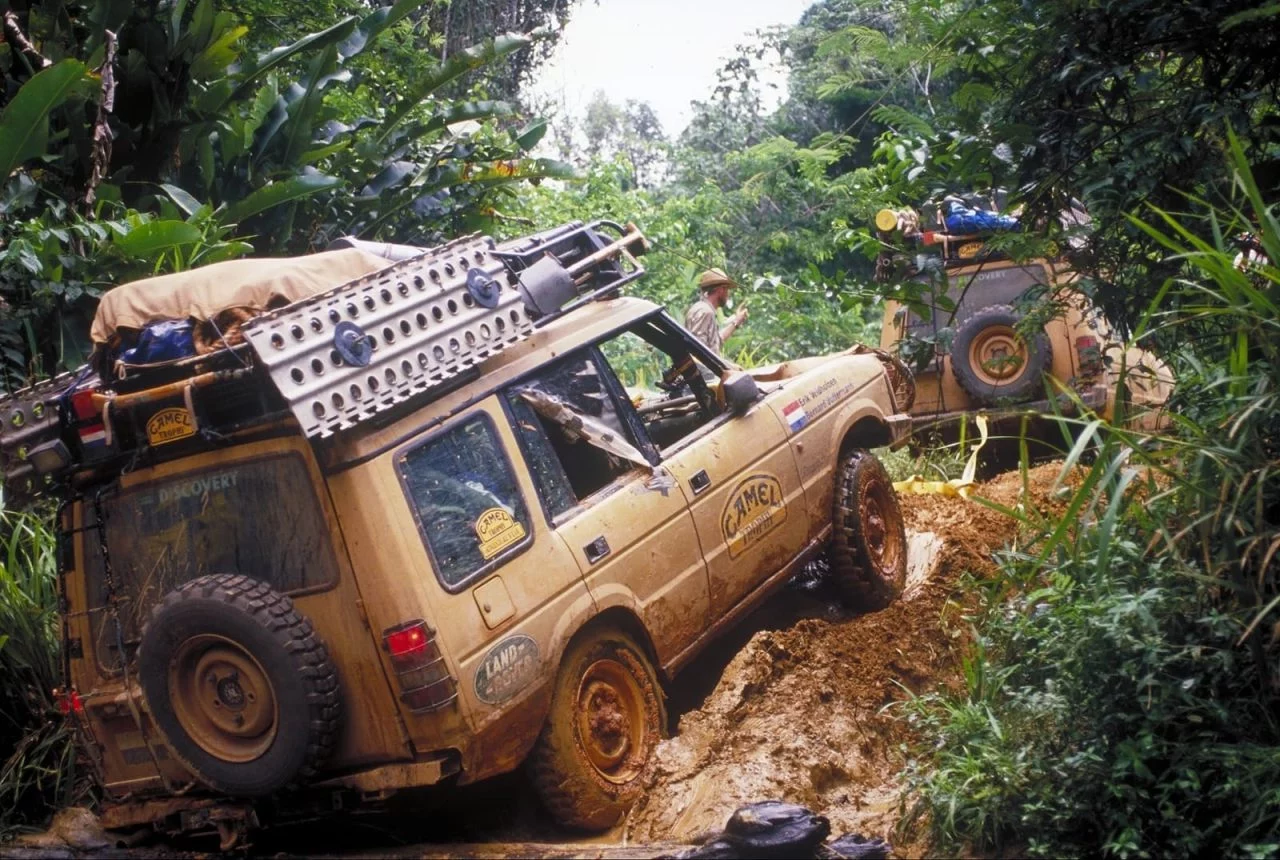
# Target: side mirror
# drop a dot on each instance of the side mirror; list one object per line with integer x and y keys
{"x": 740, "y": 391}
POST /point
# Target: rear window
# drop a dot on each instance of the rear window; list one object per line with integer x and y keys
{"x": 257, "y": 517}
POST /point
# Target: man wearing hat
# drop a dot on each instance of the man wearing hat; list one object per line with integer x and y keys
{"x": 700, "y": 319}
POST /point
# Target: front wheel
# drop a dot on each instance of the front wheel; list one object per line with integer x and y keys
{"x": 592, "y": 759}
{"x": 868, "y": 553}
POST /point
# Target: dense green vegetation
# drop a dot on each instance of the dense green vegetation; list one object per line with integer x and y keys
{"x": 1121, "y": 693}
{"x": 1120, "y": 696}
{"x": 153, "y": 137}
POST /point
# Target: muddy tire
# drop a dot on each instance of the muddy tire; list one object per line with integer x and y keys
{"x": 992, "y": 362}
{"x": 868, "y": 552}
{"x": 239, "y": 684}
{"x": 596, "y": 751}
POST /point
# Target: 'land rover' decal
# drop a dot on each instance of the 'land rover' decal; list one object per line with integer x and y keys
{"x": 754, "y": 509}
{"x": 507, "y": 669}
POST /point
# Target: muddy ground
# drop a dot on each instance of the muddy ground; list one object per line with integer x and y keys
{"x": 797, "y": 703}
{"x": 805, "y": 710}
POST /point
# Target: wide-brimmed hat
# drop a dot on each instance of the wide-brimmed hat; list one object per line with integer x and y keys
{"x": 712, "y": 278}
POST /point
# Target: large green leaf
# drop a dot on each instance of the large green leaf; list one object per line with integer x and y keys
{"x": 519, "y": 169}
{"x": 24, "y": 126}
{"x": 280, "y": 192}
{"x": 154, "y": 237}
{"x": 271, "y": 59}
{"x": 374, "y": 23}
{"x": 456, "y": 112}
{"x": 457, "y": 65}
{"x": 219, "y": 55}
{"x": 185, "y": 201}
{"x": 529, "y": 136}
{"x": 303, "y": 112}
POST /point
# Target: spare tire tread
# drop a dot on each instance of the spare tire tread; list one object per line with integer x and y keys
{"x": 292, "y": 631}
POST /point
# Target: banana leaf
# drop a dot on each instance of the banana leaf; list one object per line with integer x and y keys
{"x": 24, "y": 126}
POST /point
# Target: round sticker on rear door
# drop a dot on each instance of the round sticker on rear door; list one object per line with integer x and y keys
{"x": 507, "y": 669}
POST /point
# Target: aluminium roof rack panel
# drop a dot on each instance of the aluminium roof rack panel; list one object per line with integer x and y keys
{"x": 367, "y": 346}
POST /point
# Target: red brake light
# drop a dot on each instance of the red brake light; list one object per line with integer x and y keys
{"x": 421, "y": 672}
{"x": 68, "y": 701}
{"x": 403, "y": 643}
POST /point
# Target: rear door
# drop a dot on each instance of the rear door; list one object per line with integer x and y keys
{"x": 449, "y": 524}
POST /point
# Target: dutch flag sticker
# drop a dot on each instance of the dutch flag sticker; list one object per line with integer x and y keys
{"x": 794, "y": 413}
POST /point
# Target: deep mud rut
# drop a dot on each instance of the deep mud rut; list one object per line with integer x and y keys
{"x": 804, "y": 711}
{"x": 796, "y": 703}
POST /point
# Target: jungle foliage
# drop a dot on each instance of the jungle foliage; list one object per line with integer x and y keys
{"x": 1121, "y": 694}
{"x": 147, "y": 137}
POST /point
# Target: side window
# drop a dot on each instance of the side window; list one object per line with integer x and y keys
{"x": 571, "y": 431}
{"x": 465, "y": 498}
{"x": 674, "y": 391}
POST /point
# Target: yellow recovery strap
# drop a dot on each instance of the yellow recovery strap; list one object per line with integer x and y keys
{"x": 961, "y": 486}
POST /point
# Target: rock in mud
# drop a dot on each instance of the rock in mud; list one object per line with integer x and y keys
{"x": 74, "y": 827}
{"x": 767, "y": 829}
{"x": 851, "y": 846}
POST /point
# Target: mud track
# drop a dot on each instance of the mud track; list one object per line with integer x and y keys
{"x": 805, "y": 710}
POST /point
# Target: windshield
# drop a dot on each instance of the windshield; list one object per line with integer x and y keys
{"x": 256, "y": 517}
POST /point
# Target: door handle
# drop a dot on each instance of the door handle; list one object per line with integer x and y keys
{"x": 699, "y": 482}
{"x": 596, "y": 550}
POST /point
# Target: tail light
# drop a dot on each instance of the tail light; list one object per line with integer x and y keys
{"x": 68, "y": 701}
{"x": 1089, "y": 353}
{"x": 424, "y": 679}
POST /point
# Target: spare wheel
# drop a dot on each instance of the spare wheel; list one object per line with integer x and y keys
{"x": 992, "y": 361}
{"x": 239, "y": 684}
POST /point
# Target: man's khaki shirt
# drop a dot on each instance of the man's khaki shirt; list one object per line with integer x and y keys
{"x": 700, "y": 320}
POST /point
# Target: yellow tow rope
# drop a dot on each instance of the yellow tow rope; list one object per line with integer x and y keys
{"x": 961, "y": 486}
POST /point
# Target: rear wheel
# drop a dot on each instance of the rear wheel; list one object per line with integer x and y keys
{"x": 597, "y": 748}
{"x": 868, "y": 553}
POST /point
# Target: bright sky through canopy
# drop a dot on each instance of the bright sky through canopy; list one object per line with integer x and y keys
{"x": 665, "y": 52}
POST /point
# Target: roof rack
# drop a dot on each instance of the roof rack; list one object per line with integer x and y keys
{"x": 332, "y": 361}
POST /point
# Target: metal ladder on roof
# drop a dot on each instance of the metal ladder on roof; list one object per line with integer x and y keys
{"x": 356, "y": 351}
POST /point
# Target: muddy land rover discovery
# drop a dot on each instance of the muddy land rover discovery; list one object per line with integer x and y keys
{"x": 984, "y": 355}
{"x": 459, "y": 512}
